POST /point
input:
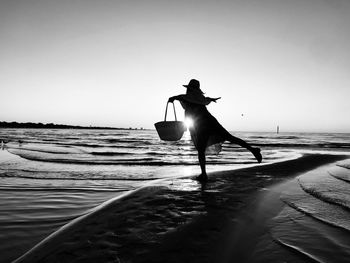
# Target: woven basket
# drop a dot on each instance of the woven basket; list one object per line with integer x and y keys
{"x": 170, "y": 130}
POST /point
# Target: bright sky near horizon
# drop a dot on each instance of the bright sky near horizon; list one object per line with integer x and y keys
{"x": 115, "y": 63}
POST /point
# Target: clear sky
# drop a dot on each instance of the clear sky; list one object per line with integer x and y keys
{"x": 115, "y": 63}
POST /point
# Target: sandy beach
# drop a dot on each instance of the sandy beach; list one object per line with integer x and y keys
{"x": 228, "y": 219}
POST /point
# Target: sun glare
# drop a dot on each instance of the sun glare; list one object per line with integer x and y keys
{"x": 188, "y": 123}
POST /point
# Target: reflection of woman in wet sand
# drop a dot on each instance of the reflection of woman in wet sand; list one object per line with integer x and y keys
{"x": 206, "y": 131}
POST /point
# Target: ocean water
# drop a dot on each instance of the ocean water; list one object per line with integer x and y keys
{"x": 48, "y": 177}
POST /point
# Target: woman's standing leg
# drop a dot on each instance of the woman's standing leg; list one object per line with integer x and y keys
{"x": 200, "y": 141}
{"x": 201, "y": 157}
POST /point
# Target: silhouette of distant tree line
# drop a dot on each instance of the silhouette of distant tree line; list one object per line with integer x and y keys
{"x": 31, "y": 125}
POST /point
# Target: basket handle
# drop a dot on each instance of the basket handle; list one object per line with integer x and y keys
{"x": 166, "y": 110}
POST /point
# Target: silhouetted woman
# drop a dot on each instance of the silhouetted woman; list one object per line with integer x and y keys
{"x": 206, "y": 131}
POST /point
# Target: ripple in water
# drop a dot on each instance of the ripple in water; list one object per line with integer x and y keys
{"x": 316, "y": 221}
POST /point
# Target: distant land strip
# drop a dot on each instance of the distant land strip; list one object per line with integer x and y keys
{"x": 31, "y": 125}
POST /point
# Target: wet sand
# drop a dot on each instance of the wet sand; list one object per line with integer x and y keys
{"x": 181, "y": 220}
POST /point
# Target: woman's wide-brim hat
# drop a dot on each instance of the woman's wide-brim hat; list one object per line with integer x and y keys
{"x": 194, "y": 85}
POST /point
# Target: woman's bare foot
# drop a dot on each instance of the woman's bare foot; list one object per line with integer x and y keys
{"x": 202, "y": 177}
{"x": 257, "y": 154}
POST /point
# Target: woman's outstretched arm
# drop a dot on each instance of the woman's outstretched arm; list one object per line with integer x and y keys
{"x": 178, "y": 97}
{"x": 203, "y": 100}
{"x": 212, "y": 99}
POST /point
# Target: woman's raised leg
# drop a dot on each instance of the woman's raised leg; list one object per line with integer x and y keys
{"x": 254, "y": 150}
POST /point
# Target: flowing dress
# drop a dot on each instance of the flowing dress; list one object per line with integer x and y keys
{"x": 206, "y": 132}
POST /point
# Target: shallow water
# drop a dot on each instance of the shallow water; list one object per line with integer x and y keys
{"x": 316, "y": 221}
{"x": 49, "y": 177}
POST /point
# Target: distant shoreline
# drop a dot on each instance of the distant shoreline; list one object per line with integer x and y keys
{"x": 31, "y": 125}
